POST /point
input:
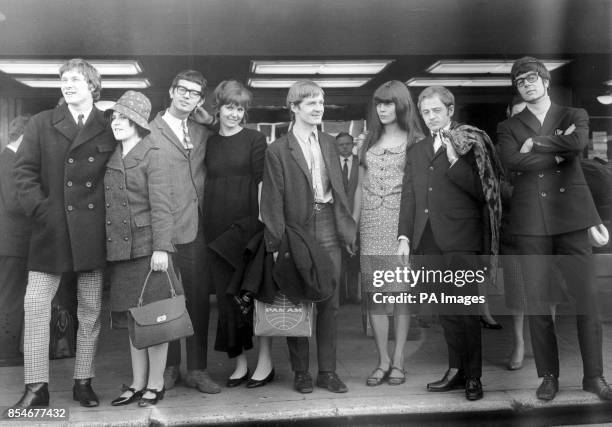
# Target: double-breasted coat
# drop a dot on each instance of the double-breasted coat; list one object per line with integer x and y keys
{"x": 549, "y": 197}
{"x": 187, "y": 174}
{"x": 58, "y": 174}
{"x": 138, "y": 203}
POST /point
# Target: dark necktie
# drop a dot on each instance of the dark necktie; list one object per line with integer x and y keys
{"x": 80, "y": 123}
{"x": 345, "y": 173}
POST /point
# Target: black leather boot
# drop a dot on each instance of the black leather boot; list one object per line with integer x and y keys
{"x": 35, "y": 394}
{"x": 84, "y": 394}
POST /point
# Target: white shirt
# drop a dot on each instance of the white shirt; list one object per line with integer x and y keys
{"x": 437, "y": 140}
{"x": 541, "y": 114}
{"x": 75, "y": 114}
{"x": 316, "y": 165}
{"x": 176, "y": 125}
{"x": 349, "y": 163}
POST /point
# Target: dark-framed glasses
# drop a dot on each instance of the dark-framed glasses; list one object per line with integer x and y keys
{"x": 531, "y": 78}
{"x": 182, "y": 90}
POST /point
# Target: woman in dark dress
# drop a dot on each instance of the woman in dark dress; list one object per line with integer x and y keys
{"x": 234, "y": 171}
{"x": 139, "y": 233}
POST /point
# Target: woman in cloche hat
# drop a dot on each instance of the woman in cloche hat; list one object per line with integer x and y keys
{"x": 138, "y": 235}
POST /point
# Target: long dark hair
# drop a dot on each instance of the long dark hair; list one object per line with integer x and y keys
{"x": 407, "y": 115}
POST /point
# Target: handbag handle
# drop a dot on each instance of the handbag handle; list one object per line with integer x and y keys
{"x": 144, "y": 286}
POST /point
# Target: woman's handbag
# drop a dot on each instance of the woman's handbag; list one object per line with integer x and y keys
{"x": 160, "y": 321}
{"x": 282, "y": 318}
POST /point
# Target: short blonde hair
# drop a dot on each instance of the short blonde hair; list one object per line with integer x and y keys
{"x": 300, "y": 90}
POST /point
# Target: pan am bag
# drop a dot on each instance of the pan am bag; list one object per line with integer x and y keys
{"x": 282, "y": 318}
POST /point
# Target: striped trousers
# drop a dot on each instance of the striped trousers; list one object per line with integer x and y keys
{"x": 37, "y": 307}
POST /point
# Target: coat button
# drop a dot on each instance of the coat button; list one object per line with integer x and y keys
{"x": 562, "y": 190}
{"x": 70, "y": 208}
{"x": 519, "y": 173}
{"x": 121, "y": 187}
{"x": 125, "y": 221}
{"x": 426, "y": 210}
{"x": 108, "y": 187}
{"x": 543, "y": 194}
{"x": 108, "y": 222}
{"x": 88, "y": 184}
{"x": 108, "y": 205}
{"x": 109, "y": 239}
{"x": 541, "y": 175}
{"x": 69, "y": 184}
{"x": 124, "y": 204}
{"x": 70, "y": 160}
{"x": 431, "y": 168}
{"x": 90, "y": 159}
{"x": 430, "y": 189}
{"x": 126, "y": 239}
{"x": 557, "y": 171}
{"x": 90, "y": 206}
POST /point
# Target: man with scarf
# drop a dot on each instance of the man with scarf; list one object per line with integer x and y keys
{"x": 451, "y": 178}
{"x": 551, "y": 213}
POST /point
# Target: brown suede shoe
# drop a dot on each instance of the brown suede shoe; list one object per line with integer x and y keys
{"x": 202, "y": 381}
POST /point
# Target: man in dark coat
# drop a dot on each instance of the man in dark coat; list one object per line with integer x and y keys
{"x": 441, "y": 219}
{"x": 302, "y": 187}
{"x": 182, "y": 142}
{"x": 59, "y": 172}
{"x": 349, "y": 165}
{"x": 551, "y": 210}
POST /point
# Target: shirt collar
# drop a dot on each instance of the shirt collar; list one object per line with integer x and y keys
{"x": 445, "y": 128}
{"x": 75, "y": 114}
{"x": 305, "y": 136}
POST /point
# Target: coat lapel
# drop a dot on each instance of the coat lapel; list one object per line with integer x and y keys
{"x": 115, "y": 161}
{"x": 529, "y": 120}
{"x": 94, "y": 126}
{"x": 298, "y": 155}
{"x": 64, "y": 123}
{"x": 553, "y": 118}
{"x": 137, "y": 154}
{"x": 429, "y": 152}
{"x": 167, "y": 133}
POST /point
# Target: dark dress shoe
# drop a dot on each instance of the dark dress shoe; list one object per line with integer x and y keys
{"x": 126, "y": 400}
{"x": 599, "y": 386}
{"x": 251, "y": 383}
{"x": 549, "y": 387}
{"x": 235, "y": 382}
{"x": 453, "y": 379}
{"x": 84, "y": 394}
{"x": 302, "y": 382}
{"x": 332, "y": 382}
{"x": 35, "y": 394}
{"x": 473, "y": 389}
{"x": 145, "y": 401}
{"x": 488, "y": 325}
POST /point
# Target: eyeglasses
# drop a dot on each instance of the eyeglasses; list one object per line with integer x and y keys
{"x": 531, "y": 78}
{"x": 182, "y": 90}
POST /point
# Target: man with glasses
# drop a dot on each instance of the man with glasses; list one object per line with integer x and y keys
{"x": 183, "y": 142}
{"x": 551, "y": 211}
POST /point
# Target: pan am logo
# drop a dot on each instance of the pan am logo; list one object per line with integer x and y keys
{"x": 283, "y": 314}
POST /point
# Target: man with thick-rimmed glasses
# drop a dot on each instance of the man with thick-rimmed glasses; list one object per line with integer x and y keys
{"x": 551, "y": 211}
{"x": 183, "y": 142}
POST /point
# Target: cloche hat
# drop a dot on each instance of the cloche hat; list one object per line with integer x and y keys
{"x": 135, "y": 106}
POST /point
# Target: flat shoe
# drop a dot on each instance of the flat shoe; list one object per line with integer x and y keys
{"x": 126, "y": 400}
{"x": 515, "y": 366}
{"x": 235, "y": 382}
{"x": 145, "y": 401}
{"x": 251, "y": 383}
{"x": 373, "y": 381}
{"x": 397, "y": 380}
{"x": 488, "y": 325}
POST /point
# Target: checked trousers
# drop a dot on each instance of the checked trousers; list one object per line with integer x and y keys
{"x": 37, "y": 307}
